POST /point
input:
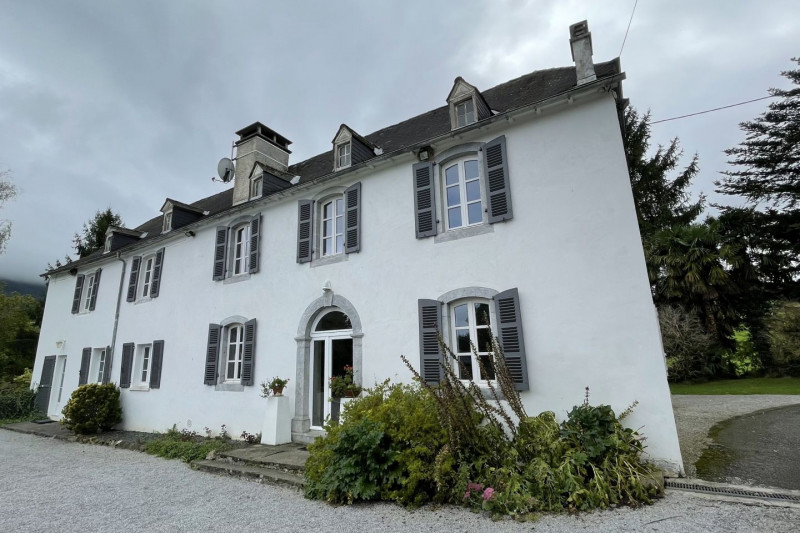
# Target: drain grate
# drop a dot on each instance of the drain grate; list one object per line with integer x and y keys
{"x": 729, "y": 491}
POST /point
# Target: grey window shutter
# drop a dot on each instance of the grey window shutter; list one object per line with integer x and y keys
{"x": 305, "y": 230}
{"x": 126, "y": 366}
{"x": 509, "y": 334}
{"x": 86, "y": 358}
{"x": 155, "y": 366}
{"x": 107, "y": 368}
{"x": 219, "y": 252}
{"x": 255, "y": 241}
{"x": 352, "y": 229}
{"x": 96, "y": 286}
{"x": 76, "y": 298}
{"x": 134, "y": 278}
{"x": 212, "y": 351}
{"x": 498, "y": 192}
{"x": 430, "y": 351}
{"x": 155, "y": 283}
{"x": 249, "y": 354}
{"x": 424, "y": 200}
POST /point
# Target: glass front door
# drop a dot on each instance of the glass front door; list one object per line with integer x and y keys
{"x": 329, "y": 355}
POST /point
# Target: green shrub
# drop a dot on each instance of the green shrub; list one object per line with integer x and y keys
{"x": 17, "y": 403}
{"x": 93, "y": 408}
{"x": 411, "y": 436}
{"x": 783, "y": 332}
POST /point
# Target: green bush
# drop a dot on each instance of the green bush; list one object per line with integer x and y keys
{"x": 402, "y": 420}
{"x": 17, "y": 403}
{"x": 783, "y": 332}
{"x": 93, "y": 408}
{"x": 186, "y": 445}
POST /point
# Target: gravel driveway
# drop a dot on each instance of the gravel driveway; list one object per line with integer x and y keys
{"x": 695, "y": 415}
{"x": 51, "y": 485}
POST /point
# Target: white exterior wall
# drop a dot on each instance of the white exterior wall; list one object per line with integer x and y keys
{"x": 573, "y": 250}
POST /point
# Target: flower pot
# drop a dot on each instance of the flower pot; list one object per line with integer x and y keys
{"x": 349, "y": 394}
{"x": 277, "y": 391}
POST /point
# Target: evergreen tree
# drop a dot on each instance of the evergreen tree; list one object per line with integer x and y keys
{"x": 767, "y": 175}
{"x": 94, "y": 232}
{"x": 662, "y": 201}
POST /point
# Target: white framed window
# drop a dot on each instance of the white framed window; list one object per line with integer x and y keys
{"x": 167, "y": 221}
{"x": 462, "y": 193}
{"x": 257, "y": 187}
{"x": 343, "y": 155}
{"x": 142, "y": 366}
{"x": 88, "y": 291}
{"x": 97, "y": 365}
{"x": 240, "y": 249}
{"x": 471, "y": 326}
{"x": 234, "y": 347}
{"x": 332, "y": 227}
{"x": 465, "y": 113}
{"x": 146, "y": 276}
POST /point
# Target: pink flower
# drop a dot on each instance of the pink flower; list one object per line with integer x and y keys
{"x": 466, "y": 495}
{"x": 488, "y": 493}
{"x": 475, "y": 486}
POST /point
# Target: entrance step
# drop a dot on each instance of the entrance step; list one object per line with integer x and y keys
{"x": 255, "y": 473}
{"x": 277, "y": 465}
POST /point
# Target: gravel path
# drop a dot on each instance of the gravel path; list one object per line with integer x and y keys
{"x": 695, "y": 415}
{"x": 50, "y": 485}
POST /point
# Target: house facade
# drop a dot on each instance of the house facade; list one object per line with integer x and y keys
{"x": 507, "y": 210}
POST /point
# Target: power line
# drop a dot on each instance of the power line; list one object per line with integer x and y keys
{"x": 710, "y": 110}
{"x": 627, "y": 29}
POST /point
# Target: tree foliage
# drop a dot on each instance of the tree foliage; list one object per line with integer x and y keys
{"x": 662, "y": 199}
{"x": 93, "y": 236}
{"x": 20, "y": 319}
{"x": 7, "y": 191}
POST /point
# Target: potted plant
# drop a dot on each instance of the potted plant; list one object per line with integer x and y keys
{"x": 274, "y": 387}
{"x": 344, "y": 386}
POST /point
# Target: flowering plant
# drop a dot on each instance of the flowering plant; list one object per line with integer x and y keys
{"x": 344, "y": 385}
{"x": 274, "y": 387}
{"x": 477, "y": 496}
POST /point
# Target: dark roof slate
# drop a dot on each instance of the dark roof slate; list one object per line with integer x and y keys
{"x": 525, "y": 90}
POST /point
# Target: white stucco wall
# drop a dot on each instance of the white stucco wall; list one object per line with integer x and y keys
{"x": 572, "y": 249}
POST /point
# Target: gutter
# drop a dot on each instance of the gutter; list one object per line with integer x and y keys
{"x": 116, "y": 314}
{"x": 607, "y": 84}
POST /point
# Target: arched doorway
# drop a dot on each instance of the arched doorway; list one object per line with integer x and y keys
{"x": 331, "y": 352}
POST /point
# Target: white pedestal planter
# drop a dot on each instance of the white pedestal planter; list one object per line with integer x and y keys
{"x": 277, "y": 421}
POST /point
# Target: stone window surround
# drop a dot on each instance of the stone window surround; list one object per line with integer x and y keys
{"x": 221, "y": 384}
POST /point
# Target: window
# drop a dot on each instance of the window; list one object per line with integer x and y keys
{"x": 95, "y": 365}
{"x": 462, "y": 193}
{"x": 230, "y": 354}
{"x": 470, "y": 322}
{"x": 141, "y": 365}
{"x": 236, "y": 251}
{"x": 87, "y": 299}
{"x": 329, "y": 226}
{"x": 466, "y": 186}
{"x": 343, "y": 155}
{"x": 333, "y": 227}
{"x": 234, "y": 348}
{"x": 465, "y": 113}
{"x": 167, "y": 221}
{"x": 466, "y": 317}
{"x": 147, "y": 276}
{"x": 257, "y": 187}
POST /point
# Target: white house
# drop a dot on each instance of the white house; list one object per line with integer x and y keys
{"x": 507, "y": 209}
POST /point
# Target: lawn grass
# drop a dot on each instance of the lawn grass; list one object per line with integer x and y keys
{"x": 740, "y": 386}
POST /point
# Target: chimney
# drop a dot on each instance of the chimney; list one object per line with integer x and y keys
{"x": 257, "y": 144}
{"x": 580, "y": 39}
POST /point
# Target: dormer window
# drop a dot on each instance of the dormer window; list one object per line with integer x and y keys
{"x": 257, "y": 187}
{"x": 343, "y": 155}
{"x": 465, "y": 113}
{"x": 109, "y": 240}
{"x": 167, "y": 222}
{"x": 467, "y": 105}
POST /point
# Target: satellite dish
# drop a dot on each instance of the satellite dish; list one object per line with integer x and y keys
{"x": 225, "y": 169}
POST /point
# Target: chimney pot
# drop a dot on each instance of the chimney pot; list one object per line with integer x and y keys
{"x": 580, "y": 40}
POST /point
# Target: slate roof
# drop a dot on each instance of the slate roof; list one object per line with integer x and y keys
{"x": 525, "y": 90}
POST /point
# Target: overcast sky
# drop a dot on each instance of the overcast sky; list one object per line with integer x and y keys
{"x": 124, "y": 103}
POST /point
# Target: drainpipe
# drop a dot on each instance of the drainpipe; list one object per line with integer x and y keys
{"x": 116, "y": 315}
